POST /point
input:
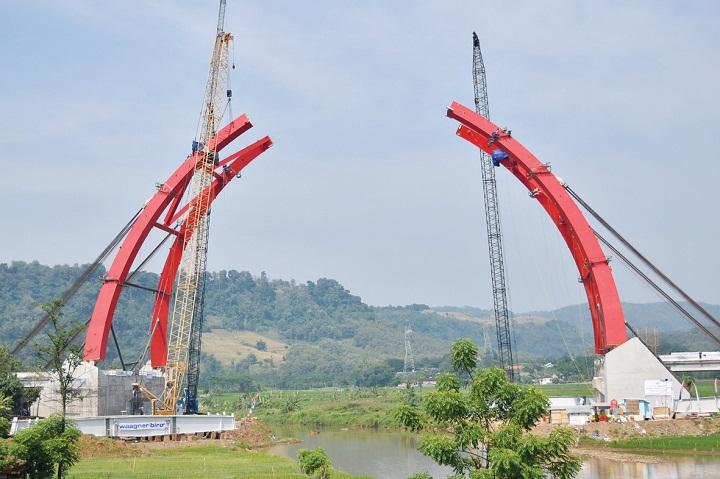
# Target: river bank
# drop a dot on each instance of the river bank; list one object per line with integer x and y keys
{"x": 332, "y": 407}
{"x": 349, "y": 407}
{"x": 239, "y": 454}
{"x": 393, "y": 454}
{"x": 360, "y": 409}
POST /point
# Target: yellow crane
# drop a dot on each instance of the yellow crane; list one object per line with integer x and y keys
{"x": 186, "y": 321}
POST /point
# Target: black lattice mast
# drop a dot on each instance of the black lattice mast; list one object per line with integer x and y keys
{"x": 494, "y": 227}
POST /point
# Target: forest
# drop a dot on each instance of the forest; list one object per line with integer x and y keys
{"x": 318, "y": 333}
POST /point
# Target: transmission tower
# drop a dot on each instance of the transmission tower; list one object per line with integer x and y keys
{"x": 494, "y": 227}
{"x": 409, "y": 366}
{"x": 187, "y": 317}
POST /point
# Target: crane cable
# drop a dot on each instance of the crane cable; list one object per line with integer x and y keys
{"x": 556, "y": 277}
{"x": 656, "y": 287}
{"x": 75, "y": 286}
{"x": 642, "y": 258}
{"x": 129, "y": 277}
{"x": 551, "y": 292}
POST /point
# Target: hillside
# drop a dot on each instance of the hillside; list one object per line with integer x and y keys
{"x": 285, "y": 334}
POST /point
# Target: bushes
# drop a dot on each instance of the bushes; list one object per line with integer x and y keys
{"x": 39, "y": 449}
{"x": 315, "y": 462}
{"x": 4, "y": 427}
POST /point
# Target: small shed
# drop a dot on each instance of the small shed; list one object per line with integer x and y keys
{"x": 579, "y": 415}
{"x": 559, "y": 416}
{"x": 638, "y": 409}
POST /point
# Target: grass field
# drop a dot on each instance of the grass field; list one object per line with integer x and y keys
{"x": 567, "y": 390}
{"x": 319, "y": 407}
{"x": 705, "y": 387}
{"x": 229, "y": 346}
{"x": 354, "y": 407}
{"x": 709, "y": 443}
{"x": 341, "y": 407}
{"x": 194, "y": 462}
{"x": 673, "y": 443}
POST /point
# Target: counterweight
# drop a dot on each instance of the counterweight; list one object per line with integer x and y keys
{"x": 494, "y": 227}
{"x": 184, "y": 339}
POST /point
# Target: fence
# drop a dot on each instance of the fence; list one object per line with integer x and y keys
{"x": 143, "y": 426}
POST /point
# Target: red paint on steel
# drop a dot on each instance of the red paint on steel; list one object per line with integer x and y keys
{"x": 238, "y": 161}
{"x": 102, "y": 316}
{"x": 603, "y": 299}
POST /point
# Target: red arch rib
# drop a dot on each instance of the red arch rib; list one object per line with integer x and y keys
{"x": 592, "y": 264}
{"x": 231, "y": 167}
{"x": 168, "y": 192}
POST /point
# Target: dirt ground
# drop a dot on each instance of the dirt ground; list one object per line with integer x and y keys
{"x": 631, "y": 429}
{"x": 251, "y": 432}
{"x": 614, "y": 455}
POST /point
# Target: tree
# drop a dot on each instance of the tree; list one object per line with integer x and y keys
{"x": 5, "y": 408}
{"x": 315, "y": 463}
{"x": 61, "y": 358}
{"x": 374, "y": 375}
{"x": 490, "y": 420}
{"x": 463, "y": 356}
{"x": 10, "y": 386}
{"x": 261, "y": 345}
{"x": 39, "y": 448}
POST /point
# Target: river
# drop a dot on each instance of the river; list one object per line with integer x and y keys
{"x": 394, "y": 455}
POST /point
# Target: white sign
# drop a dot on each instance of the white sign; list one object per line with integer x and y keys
{"x": 140, "y": 426}
{"x": 658, "y": 387}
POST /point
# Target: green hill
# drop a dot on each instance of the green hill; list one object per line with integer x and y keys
{"x": 285, "y": 334}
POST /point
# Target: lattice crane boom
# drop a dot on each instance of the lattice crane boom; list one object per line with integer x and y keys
{"x": 494, "y": 227}
{"x": 185, "y": 332}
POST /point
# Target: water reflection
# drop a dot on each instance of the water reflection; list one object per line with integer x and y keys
{"x": 394, "y": 455}
{"x": 380, "y": 454}
{"x": 670, "y": 468}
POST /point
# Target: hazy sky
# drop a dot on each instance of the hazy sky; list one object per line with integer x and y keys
{"x": 367, "y": 182}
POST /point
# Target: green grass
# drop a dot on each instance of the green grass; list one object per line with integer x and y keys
{"x": 569, "y": 389}
{"x": 705, "y": 387}
{"x": 709, "y": 443}
{"x": 193, "y": 462}
{"x": 323, "y": 407}
{"x": 353, "y": 407}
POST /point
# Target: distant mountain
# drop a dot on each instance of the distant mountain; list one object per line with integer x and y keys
{"x": 296, "y": 335}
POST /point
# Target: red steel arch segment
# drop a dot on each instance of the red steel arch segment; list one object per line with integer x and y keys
{"x": 592, "y": 264}
{"x": 169, "y": 193}
{"x": 231, "y": 168}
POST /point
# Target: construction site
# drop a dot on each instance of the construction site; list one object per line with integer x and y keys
{"x": 156, "y": 394}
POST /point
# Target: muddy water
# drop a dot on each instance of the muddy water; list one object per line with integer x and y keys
{"x": 394, "y": 455}
{"x": 669, "y": 468}
{"x": 380, "y": 454}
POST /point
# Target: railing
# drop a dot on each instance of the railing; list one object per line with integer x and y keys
{"x": 142, "y": 426}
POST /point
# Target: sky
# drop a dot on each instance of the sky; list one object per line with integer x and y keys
{"x": 367, "y": 182}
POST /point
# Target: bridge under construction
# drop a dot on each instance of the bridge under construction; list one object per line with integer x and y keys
{"x": 163, "y": 381}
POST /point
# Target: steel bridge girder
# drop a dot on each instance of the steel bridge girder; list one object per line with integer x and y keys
{"x": 603, "y": 299}
{"x": 231, "y": 167}
{"x": 106, "y": 302}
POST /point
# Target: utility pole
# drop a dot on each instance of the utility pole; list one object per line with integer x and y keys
{"x": 409, "y": 366}
{"x": 494, "y": 227}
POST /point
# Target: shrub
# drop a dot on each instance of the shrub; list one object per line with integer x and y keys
{"x": 315, "y": 462}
